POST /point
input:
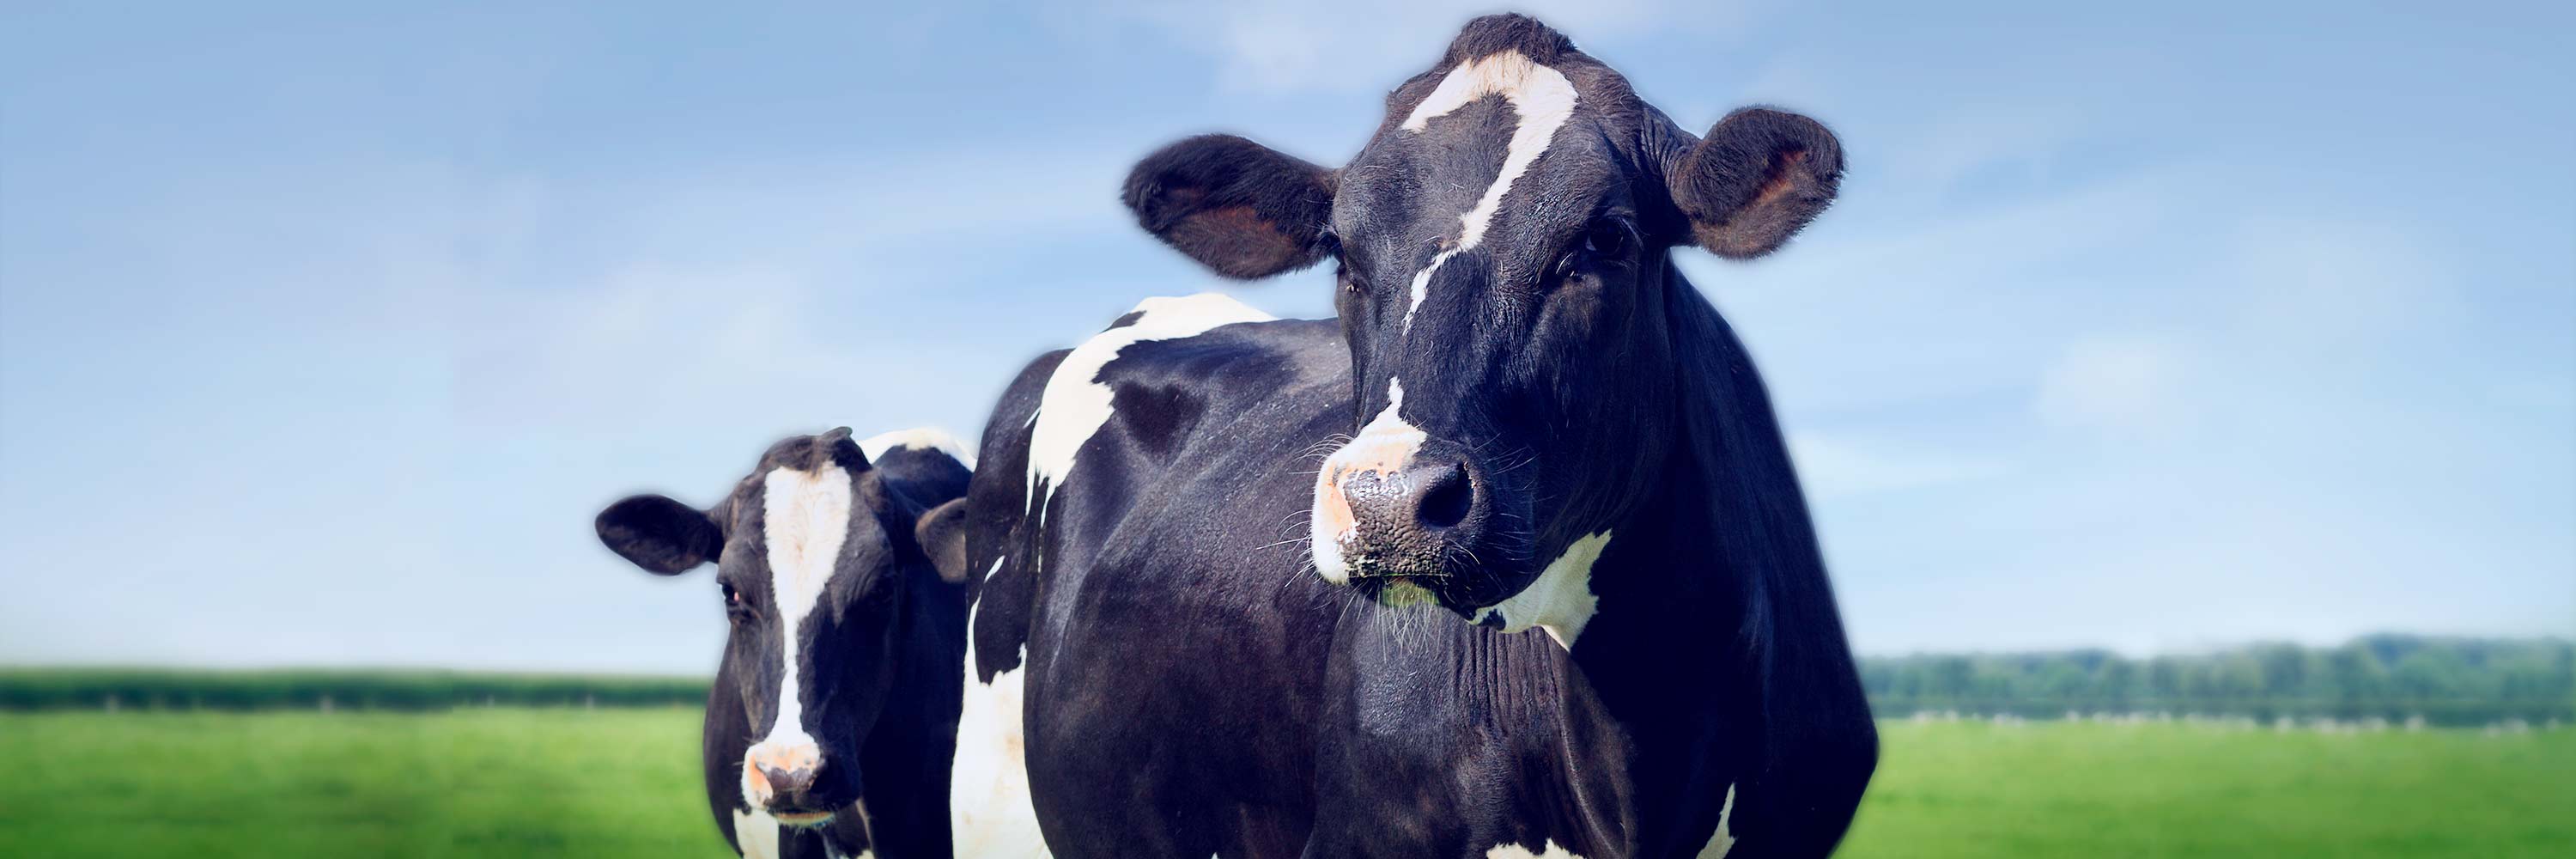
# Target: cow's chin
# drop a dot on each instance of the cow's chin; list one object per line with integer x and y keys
{"x": 806, "y": 820}
{"x": 1469, "y": 594}
{"x": 1398, "y": 592}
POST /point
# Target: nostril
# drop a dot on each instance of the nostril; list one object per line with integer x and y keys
{"x": 1448, "y": 498}
{"x": 788, "y": 781}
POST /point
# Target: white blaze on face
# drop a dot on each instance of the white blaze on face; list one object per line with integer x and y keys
{"x": 1722, "y": 840}
{"x": 989, "y": 809}
{"x": 1385, "y": 446}
{"x": 1560, "y": 600}
{"x": 806, "y": 515}
{"x": 1074, "y": 406}
{"x": 1542, "y": 97}
{"x": 918, "y": 438}
{"x": 756, "y": 833}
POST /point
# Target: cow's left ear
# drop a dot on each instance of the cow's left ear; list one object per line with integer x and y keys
{"x": 1238, "y": 207}
{"x": 942, "y": 535}
{"x": 1757, "y": 178}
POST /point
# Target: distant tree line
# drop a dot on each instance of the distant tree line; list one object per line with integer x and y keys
{"x": 2445, "y": 681}
{"x": 183, "y": 689}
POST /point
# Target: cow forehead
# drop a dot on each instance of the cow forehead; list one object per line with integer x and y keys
{"x": 805, "y": 516}
{"x": 1490, "y": 151}
{"x": 780, "y": 513}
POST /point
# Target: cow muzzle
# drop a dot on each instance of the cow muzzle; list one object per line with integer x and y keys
{"x": 787, "y": 780}
{"x": 1397, "y": 513}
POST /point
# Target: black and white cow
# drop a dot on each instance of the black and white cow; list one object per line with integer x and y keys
{"x": 830, "y": 727}
{"x": 1220, "y": 611}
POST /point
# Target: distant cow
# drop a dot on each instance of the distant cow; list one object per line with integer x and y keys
{"x": 1552, "y": 430}
{"x": 832, "y": 721}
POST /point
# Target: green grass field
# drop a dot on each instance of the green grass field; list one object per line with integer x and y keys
{"x": 624, "y": 782}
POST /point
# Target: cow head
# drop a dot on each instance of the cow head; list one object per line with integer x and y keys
{"x": 1502, "y": 244}
{"x": 814, "y": 555}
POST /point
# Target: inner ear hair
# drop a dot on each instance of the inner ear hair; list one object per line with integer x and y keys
{"x": 1756, "y": 179}
{"x": 1242, "y": 209}
{"x": 941, "y": 533}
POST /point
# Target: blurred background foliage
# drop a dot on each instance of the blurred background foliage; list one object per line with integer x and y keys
{"x": 2395, "y": 678}
{"x": 2444, "y": 681}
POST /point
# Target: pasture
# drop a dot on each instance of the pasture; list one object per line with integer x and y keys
{"x": 570, "y": 781}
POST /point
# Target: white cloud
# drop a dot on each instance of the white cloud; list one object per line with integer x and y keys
{"x": 2121, "y": 386}
{"x": 1838, "y": 466}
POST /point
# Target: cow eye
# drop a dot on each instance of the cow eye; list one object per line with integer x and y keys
{"x": 1606, "y": 238}
{"x": 732, "y": 598}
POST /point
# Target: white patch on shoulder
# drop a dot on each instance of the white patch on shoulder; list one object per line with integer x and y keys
{"x": 1560, "y": 600}
{"x": 918, "y": 438}
{"x": 1723, "y": 839}
{"x": 1542, "y": 97}
{"x": 1385, "y": 446}
{"x": 1515, "y": 851}
{"x": 806, "y": 515}
{"x": 756, "y": 833}
{"x": 1074, "y": 406}
{"x": 989, "y": 809}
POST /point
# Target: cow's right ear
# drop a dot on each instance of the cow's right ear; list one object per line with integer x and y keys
{"x": 663, "y": 536}
{"x": 942, "y": 535}
{"x": 1238, "y": 207}
{"x": 1757, "y": 178}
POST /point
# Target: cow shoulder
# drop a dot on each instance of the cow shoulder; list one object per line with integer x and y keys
{"x": 997, "y": 524}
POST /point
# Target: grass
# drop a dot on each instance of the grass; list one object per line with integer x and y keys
{"x": 473, "y": 782}
{"x": 559, "y": 782}
{"x": 2092, "y": 789}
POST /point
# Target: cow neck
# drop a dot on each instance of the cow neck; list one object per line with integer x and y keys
{"x": 1671, "y": 636}
{"x": 906, "y": 756}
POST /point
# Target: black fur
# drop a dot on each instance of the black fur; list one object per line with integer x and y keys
{"x": 881, "y": 664}
{"x": 1583, "y": 384}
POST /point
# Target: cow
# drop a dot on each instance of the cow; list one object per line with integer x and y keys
{"x": 833, "y": 718}
{"x": 1508, "y": 559}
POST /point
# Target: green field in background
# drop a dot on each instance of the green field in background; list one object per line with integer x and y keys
{"x": 509, "y": 782}
{"x": 470, "y": 782}
{"x": 2093, "y": 789}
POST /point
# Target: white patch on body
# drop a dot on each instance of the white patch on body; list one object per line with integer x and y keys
{"x": 1073, "y": 406}
{"x": 1722, "y": 840}
{"x": 989, "y": 809}
{"x": 756, "y": 833}
{"x": 1542, "y": 97}
{"x": 1560, "y": 600}
{"x": 806, "y": 516}
{"x": 918, "y": 438}
{"x": 1515, "y": 851}
{"x": 1385, "y": 446}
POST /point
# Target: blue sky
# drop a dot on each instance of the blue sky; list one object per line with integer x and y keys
{"x": 323, "y": 333}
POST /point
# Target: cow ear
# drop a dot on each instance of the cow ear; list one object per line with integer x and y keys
{"x": 844, "y": 452}
{"x": 1238, "y": 207}
{"x": 663, "y": 536}
{"x": 1757, "y": 178}
{"x": 942, "y": 535}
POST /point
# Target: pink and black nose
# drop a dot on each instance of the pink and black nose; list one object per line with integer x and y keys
{"x": 1394, "y": 504}
{"x": 786, "y": 780}
{"x": 1423, "y": 500}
